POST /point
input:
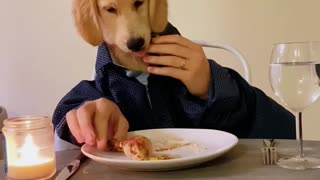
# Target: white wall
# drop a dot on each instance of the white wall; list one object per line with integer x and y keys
{"x": 42, "y": 57}
{"x": 252, "y": 26}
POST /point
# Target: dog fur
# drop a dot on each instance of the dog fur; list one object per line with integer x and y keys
{"x": 118, "y": 21}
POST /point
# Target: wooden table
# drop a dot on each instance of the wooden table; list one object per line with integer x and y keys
{"x": 242, "y": 163}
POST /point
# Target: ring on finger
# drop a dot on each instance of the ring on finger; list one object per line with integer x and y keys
{"x": 183, "y": 64}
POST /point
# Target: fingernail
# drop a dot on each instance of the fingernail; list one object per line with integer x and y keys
{"x": 151, "y": 69}
{"x": 90, "y": 139}
{"x": 146, "y": 59}
{"x": 102, "y": 145}
{"x": 89, "y": 142}
{"x": 81, "y": 138}
{"x": 154, "y": 39}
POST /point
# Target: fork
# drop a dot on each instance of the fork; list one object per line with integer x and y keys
{"x": 269, "y": 152}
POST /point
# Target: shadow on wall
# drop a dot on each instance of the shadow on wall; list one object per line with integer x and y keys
{"x": 3, "y": 116}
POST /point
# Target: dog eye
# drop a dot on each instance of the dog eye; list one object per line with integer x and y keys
{"x": 111, "y": 10}
{"x": 137, "y": 4}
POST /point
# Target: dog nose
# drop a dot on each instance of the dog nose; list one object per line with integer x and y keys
{"x": 135, "y": 44}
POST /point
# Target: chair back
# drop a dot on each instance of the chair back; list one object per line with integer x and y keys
{"x": 232, "y": 50}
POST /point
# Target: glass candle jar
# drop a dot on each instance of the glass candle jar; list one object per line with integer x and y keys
{"x": 29, "y": 148}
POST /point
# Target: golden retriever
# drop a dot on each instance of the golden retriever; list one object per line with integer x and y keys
{"x": 125, "y": 25}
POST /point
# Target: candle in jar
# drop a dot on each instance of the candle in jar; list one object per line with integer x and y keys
{"x": 29, "y": 164}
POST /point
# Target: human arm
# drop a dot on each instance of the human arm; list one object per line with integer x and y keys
{"x": 211, "y": 96}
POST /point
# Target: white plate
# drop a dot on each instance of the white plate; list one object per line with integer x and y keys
{"x": 206, "y": 145}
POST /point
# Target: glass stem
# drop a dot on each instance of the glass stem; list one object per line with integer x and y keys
{"x": 300, "y": 135}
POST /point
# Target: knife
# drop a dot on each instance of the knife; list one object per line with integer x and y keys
{"x": 71, "y": 168}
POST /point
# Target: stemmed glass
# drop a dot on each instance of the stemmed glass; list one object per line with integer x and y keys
{"x": 294, "y": 77}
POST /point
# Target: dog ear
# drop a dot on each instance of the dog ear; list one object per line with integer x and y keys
{"x": 85, "y": 14}
{"x": 158, "y": 12}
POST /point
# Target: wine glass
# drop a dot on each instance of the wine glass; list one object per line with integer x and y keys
{"x": 294, "y": 77}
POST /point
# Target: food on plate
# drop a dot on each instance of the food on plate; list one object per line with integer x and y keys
{"x": 170, "y": 144}
{"x": 159, "y": 158}
{"x": 142, "y": 149}
{"x": 171, "y": 147}
{"x": 136, "y": 147}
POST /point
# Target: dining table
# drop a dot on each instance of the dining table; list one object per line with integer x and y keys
{"x": 242, "y": 162}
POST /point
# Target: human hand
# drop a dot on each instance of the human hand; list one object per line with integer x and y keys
{"x": 97, "y": 122}
{"x": 181, "y": 59}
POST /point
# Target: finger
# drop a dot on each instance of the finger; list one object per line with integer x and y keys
{"x": 122, "y": 128}
{"x": 173, "y": 39}
{"x": 73, "y": 125}
{"x": 85, "y": 115}
{"x": 172, "y": 61}
{"x": 168, "y": 71}
{"x": 102, "y": 121}
{"x": 169, "y": 49}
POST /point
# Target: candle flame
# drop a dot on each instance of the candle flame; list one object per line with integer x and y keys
{"x": 29, "y": 151}
{"x": 28, "y": 154}
{"x": 27, "y": 161}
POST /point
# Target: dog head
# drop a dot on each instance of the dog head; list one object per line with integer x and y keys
{"x": 127, "y": 24}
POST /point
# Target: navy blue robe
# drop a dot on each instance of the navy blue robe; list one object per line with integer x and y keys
{"x": 233, "y": 105}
